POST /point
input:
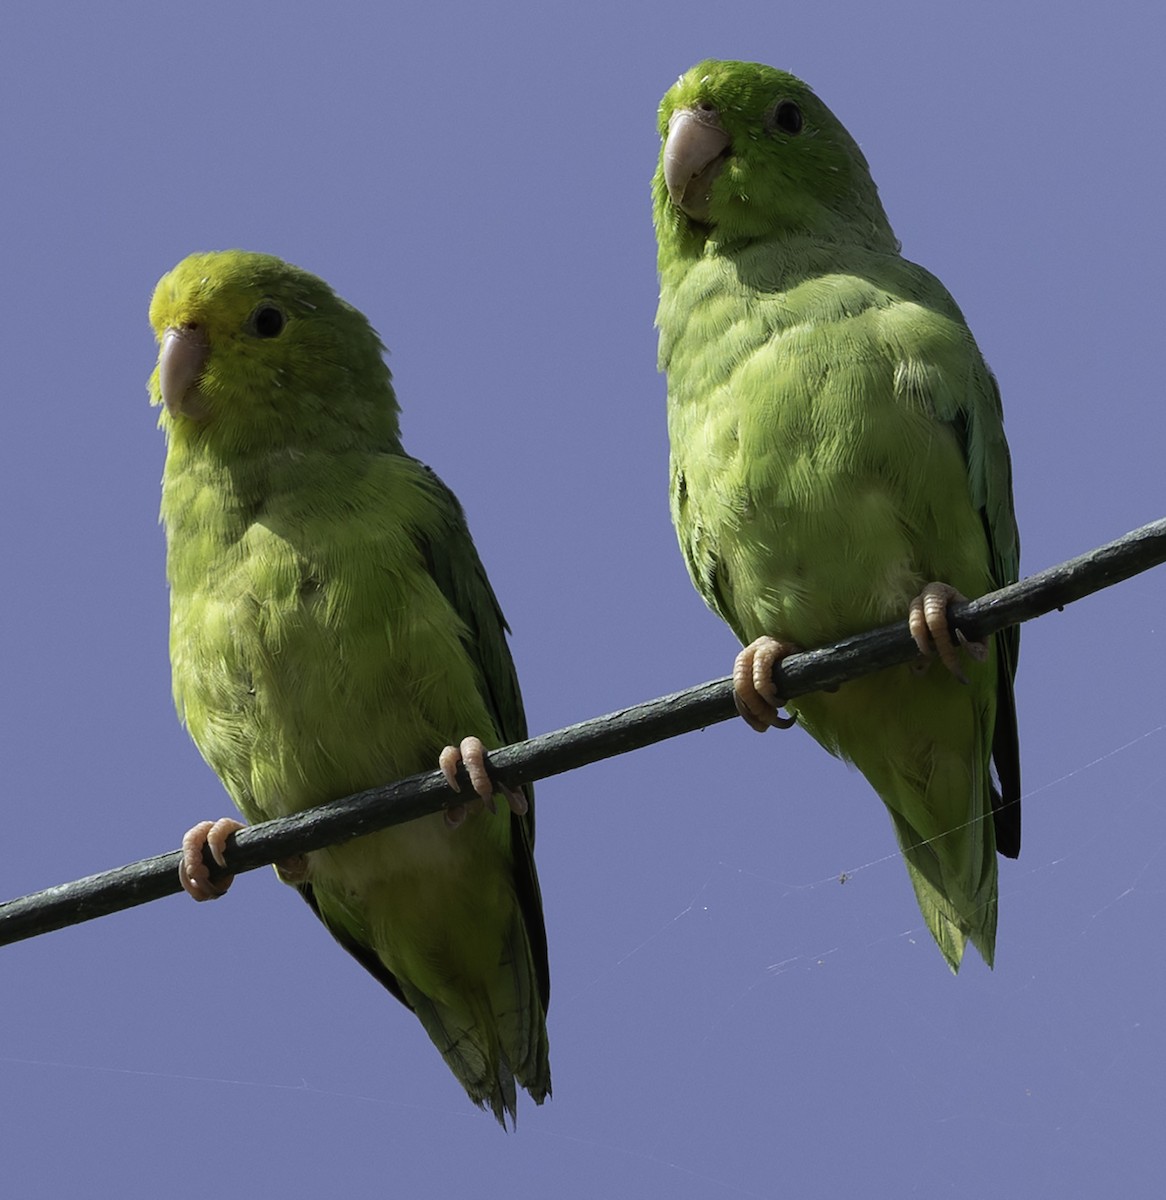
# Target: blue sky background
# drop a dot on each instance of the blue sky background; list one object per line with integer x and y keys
{"x": 727, "y": 1020}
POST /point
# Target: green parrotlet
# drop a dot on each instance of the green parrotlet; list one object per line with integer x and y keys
{"x": 332, "y": 628}
{"x": 838, "y": 462}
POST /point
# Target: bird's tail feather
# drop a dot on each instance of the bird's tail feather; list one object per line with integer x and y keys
{"x": 953, "y": 917}
{"x": 493, "y": 1037}
{"x": 953, "y": 869}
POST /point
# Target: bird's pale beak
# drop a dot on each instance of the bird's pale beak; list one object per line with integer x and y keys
{"x": 184, "y": 354}
{"x": 694, "y": 152}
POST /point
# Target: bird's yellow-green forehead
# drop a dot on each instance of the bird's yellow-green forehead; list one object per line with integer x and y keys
{"x": 743, "y": 87}
{"x": 222, "y": 288}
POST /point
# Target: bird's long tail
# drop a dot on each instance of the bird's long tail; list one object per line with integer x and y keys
{"x": 948, "y": 841}
{"x": 493, "y": 1036}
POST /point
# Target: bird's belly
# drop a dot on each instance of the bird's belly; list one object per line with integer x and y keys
{"x": 812, "y": 574}
{"x": 401, "y": 859}
{"x": 433, "y": 901}
{"x": 817, "y": 537}
{"x": 293, "y": 714}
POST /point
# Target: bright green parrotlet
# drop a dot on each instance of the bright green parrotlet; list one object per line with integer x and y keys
{"x": 332, "y": 628}
{"x": 837, "y": 449}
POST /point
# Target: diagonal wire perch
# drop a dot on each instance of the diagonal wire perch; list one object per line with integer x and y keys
{"x": 577, "y": 745}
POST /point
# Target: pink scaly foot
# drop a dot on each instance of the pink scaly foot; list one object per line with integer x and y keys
{"x": 473, "y": 754}
{"x": 754, "y": 691}
{"x": 927, "y": 620}
{"x": 195, "y": 876}
{"x": 192, "y": 871}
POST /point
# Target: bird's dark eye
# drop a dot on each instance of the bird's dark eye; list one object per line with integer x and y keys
{"x": 267, "y": 321}
{"x": 787, "y": 117}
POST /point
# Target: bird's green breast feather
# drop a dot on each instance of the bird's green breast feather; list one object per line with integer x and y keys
{"x": 313, "y": 655}
{"x": 817, "y": 477}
